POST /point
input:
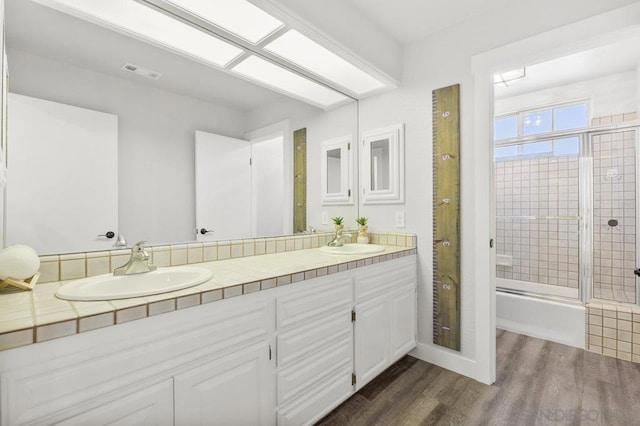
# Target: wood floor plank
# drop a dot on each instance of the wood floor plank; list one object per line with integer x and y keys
{"x": 538, "y": 383}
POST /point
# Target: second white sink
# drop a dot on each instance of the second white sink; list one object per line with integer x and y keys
{"x": 353, "y": 249}
{"x": 109, "y": 286}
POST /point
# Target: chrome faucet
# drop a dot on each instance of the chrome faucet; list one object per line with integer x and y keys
{"x": 138, "y": 263}
{"x": 339, "y": 239}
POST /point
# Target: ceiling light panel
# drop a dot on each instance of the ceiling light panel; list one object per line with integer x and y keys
{"x": 306, "y": 53}
{"x": 136, "y": 19}
{"x": 268, "y": 74}
{"x": 508, "y": 76}
{"x": 238, "y": 17}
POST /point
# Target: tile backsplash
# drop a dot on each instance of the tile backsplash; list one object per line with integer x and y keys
{"x": 80, "y": 265}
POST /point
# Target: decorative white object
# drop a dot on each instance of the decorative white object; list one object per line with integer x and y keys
{"x": 18, "y": 262}
{"x": 19, "y": 266}
{"x": 383, "y": 165}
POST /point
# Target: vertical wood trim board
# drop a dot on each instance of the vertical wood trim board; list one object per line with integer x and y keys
{"x": 299, "y": 180}
{"x": 446, "y": 217}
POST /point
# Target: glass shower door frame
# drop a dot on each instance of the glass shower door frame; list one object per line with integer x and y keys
{"x": 587, "y": 194}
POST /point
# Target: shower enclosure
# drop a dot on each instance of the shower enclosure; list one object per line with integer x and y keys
{"x": 566, "y": 204}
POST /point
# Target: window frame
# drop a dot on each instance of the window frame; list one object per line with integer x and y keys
{"x": 546, "y": 135}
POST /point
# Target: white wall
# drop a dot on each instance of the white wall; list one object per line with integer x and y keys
{"x": 156, "y": 140}
{"x": 438, "y": 61}
{"x": 610, "y": 95}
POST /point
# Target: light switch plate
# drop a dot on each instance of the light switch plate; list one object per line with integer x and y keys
{"x": 325, "y": 218}
{"x": 400, "y": 219}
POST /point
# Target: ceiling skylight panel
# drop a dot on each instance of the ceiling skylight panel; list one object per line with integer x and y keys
{"x": 306, "y": 53}
{"x": 283, "y": 80}
{"x": 144, "y": 22}
{"x": 239, "y": 17}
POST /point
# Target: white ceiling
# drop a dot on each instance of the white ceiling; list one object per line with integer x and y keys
{"x": 42, "y": 31}
{"x": 605, "y": 60}
{"x": 407, "y": 21}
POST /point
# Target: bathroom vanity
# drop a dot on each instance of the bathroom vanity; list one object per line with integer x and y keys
{"x": 286, "y": 355}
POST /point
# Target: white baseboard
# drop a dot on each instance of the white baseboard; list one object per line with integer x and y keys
{"x": 446, "y": 359}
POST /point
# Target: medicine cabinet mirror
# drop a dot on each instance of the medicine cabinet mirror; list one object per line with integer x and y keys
{"x": 336, "y": 171}
{"x": 383, "y": 165}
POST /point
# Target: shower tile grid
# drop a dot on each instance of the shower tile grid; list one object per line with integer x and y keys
{"x": 614, "y": 182}
{"x": 613, "y": 330}
{"x": 542, "y": 251}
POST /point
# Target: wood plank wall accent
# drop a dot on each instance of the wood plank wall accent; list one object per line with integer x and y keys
{"x": 299, "y": 180}
{"x": 446, "y": 217}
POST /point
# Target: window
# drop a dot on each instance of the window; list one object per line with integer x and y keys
{"x": 541, "y": 121}
{"x": 545, "y": 148}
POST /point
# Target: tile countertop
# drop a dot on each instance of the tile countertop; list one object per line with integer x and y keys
{"x": 37, "y": 316}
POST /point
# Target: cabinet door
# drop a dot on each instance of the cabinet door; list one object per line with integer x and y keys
{"x": 236, "y": 389}
{"x": 403, "y": 322}
{"x": 152, "y": 405}
{"x": 371, "y": 339}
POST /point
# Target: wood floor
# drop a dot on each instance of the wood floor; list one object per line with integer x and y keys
{"x": 538, "y": 383}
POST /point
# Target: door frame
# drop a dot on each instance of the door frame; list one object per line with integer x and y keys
{"x": 563, "y": 41}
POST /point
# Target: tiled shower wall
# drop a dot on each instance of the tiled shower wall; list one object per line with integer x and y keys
{"x": 542, "y": 251}
{"x": 614, "y": 215}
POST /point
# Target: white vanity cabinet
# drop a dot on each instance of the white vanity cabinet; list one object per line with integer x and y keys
{"x": 205, "y": 364}
{"x": 315, "y": 348}
{"x": 285, "y": 356}
{"x": 385, "y": 316}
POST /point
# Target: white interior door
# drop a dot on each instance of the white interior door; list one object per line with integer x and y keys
{"x": 223, "y": 187}
{"x": 62, "y": 186}
{"x": 267, "y": 173}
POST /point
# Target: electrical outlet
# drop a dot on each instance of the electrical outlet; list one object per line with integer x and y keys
{"x": 325, "y": 218}
{"x": 400, "y": 219}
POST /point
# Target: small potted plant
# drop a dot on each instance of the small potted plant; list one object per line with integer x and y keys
{"x": 338, "y": 221}
{"x": 363, "y": 237}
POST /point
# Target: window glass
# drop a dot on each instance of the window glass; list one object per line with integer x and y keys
{"x": 542, "y": 147}
{"x": 505, "y": 127}
{"x": 566, "y": 146}
{"x": 570, "y": 117}
{"x": 536, "y": 122}
{"x": 505, "y": 151}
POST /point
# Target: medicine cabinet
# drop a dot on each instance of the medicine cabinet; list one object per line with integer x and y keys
{"x": 383, "y": 165}
{"x": 336, "y": 171}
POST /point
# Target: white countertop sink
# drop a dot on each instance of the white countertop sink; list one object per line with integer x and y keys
{"x": 353, "y": 249}
{"x": 109, "y": 286}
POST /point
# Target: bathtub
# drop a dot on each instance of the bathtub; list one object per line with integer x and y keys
{"x": 561, "y": 322}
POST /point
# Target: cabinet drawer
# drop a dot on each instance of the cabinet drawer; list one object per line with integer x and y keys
{"x": 312, "y": 406}
{"x": 383, "y": 277}
{"x": 322, "y": 298}
{"x": 311, "y": 338}
{"x": 307, "y": 373}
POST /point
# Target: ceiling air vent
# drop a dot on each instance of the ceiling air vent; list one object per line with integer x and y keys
{"x": 142, "y": 71}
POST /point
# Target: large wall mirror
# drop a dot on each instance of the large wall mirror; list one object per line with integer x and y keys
{"x": 110, "y": 134}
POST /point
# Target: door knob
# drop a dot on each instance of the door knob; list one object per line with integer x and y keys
{"x": 637, "y": 271}
{"x": 205, "y": 231}
{"x": 109, "y": 234}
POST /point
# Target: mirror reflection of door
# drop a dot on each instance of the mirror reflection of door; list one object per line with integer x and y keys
{"x": 239, "y": 191}
{"x": 223, "y": 175}
{"x": 267, "y": 175}
{"x": 334, "y": 171}
{"x": 62, "y": 191}
{"x": 380, "y": 165}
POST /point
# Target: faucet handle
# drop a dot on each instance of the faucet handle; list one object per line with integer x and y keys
{"x": 139, "y": 246}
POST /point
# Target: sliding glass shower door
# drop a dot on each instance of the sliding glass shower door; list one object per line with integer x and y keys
{"x": 566, "y": 215}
